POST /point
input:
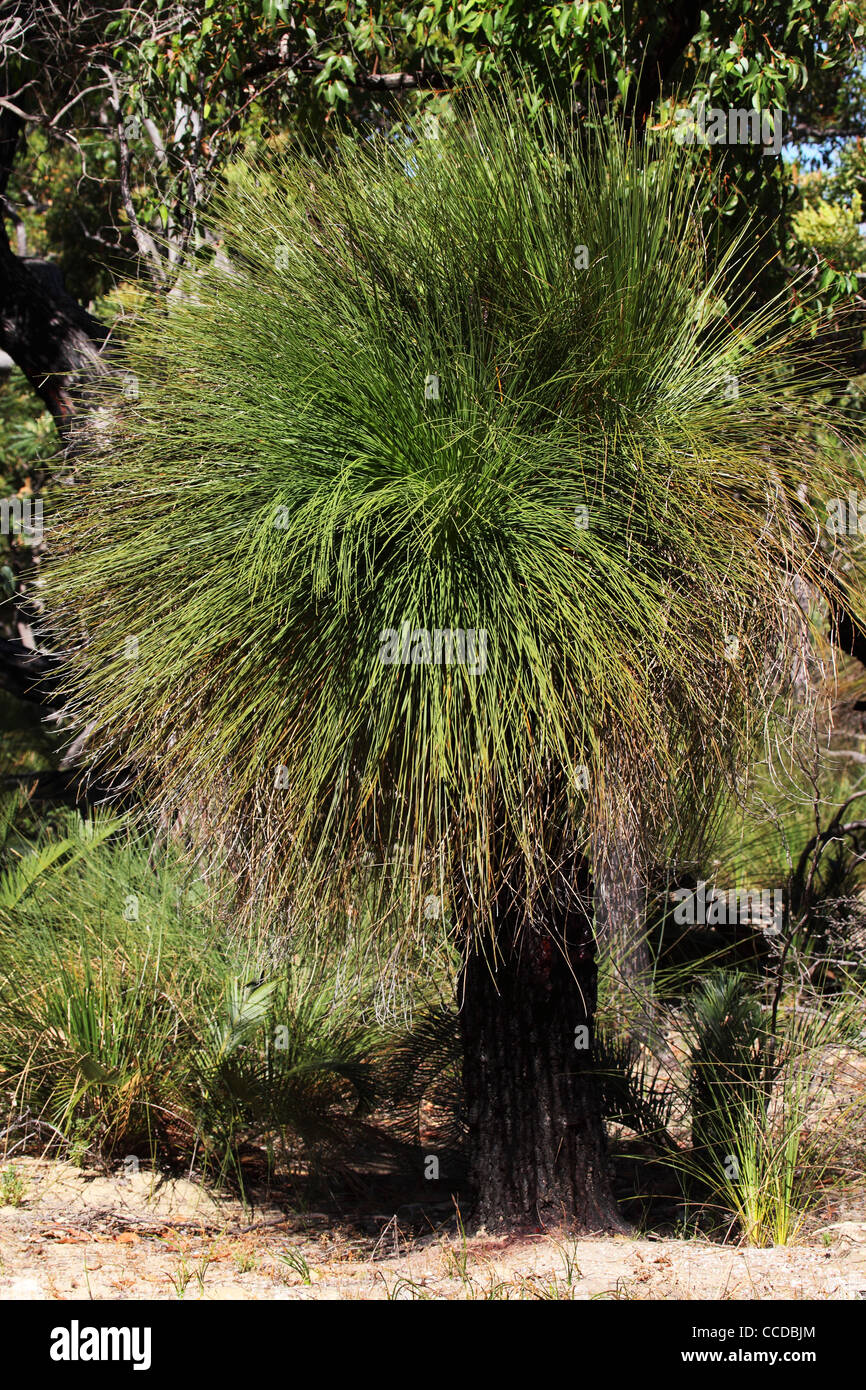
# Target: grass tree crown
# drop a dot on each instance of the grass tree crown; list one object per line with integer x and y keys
{"x": 462, "y": 490}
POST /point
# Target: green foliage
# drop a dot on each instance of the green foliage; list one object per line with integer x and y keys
{"x": 838, "y": 182}
{"x": 752, "y": 1107}
{"x": 797, "y": 829}
{"x": 757, "y": 58}
{"x": 48, "y": 860}
{"x": 77, "y": 222}
{"x": 128, "y": 1020}
{"x": 28, "y": 445}
{"x": 132, "y": 1023}
{"x": 610, "y": 650}
{"x": 191, "y": 81}
{"x": 285, "y": 1058}
{"x": 272, "y": 531}
{"x": 727, "y": 1066}
{"x": 769, "y": 1120}
{"x": 824, "y": 229}
{"x": 12, "y": 1188}
{"x": 833, "y": 231}
{"x": 26, "y": 440}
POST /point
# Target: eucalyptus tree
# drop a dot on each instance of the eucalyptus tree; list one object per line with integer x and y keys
{"x": 450, "y": 522}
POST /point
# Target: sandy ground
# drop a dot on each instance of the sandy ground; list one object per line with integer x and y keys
{"x": 81, "y": 1234}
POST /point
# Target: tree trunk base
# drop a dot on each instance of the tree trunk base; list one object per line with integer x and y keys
{"x": 538, "y": 1148}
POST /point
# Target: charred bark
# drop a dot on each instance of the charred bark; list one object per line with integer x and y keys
{"x": 56, "y": 342}
{"x": 537, "y": 1143}
{"x": 660, "y": 60}
{"x": 28, "y": 674}
{"x": 846, "y": 632}
{"x": 47, "y": 333}
{"x": 620, "y": 912}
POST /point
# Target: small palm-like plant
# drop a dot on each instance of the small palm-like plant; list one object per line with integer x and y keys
{"x": 128, "y": 1019}
{"x": 762, "y": 1146}
{"x": 728, "y": 1066}
{"x": 460, "y": 510}
{"x": 287, "y": 1057}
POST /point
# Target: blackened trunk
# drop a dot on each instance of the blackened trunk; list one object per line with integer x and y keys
{"x": 538, "y": 1150}
{"x": 620, "y": 915}
{"x": 620, "y": 903}
{"x": 47, "y": 333}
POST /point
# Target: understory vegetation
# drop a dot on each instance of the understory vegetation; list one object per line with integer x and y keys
{"x": 136, "y": 1023}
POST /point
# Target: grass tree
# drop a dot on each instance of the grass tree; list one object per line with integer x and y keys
{"x": 448, "y": 522}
